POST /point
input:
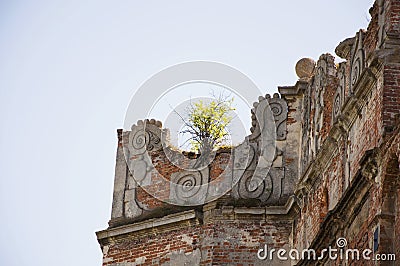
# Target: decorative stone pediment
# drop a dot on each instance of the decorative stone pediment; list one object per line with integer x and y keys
{"x": 252, "y": 172}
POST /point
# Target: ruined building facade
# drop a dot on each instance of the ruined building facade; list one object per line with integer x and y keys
{"x": 334, "y": 172}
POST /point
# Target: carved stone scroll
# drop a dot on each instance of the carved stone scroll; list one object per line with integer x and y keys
{"x": 338, "y": 98}
{"x": 253, "y": 185}
{"x": 145, "y": 136}
{"x": 188, "y": 188}
{"x": 279, "y": 110}
{"x": 357, "y": 60}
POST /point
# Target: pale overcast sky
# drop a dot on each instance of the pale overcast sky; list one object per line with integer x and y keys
{"x": 68, "y": 70}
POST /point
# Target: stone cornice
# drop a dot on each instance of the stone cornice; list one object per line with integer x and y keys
{"x": 149, "y": 227}
{"x": 295, "y": 90}
{"x": 270, "y": 210}
{"x": 214, "y": 212}
{"x": 190, "y": 218}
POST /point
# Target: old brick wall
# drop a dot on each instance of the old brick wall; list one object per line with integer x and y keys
{"x": 152, "y": 249}
{"x": 354, "y": 189}
{"x": 226, "y": 239}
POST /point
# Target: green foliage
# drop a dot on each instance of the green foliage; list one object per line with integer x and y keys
{"x": 207, "y": 123}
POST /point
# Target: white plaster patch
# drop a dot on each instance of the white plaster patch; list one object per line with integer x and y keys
{"x": 105, "y": 260}
{"x": 187, "y": 239}
{"x": 140, "y": 260}
{"x": 105, "y": 250}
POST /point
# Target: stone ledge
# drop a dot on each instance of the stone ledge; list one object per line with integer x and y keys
{"x": 295, "y": 90}
{"x": 166, "y": 221}
{"x": 213, "y": 212}
{"x": 269, "y": 210}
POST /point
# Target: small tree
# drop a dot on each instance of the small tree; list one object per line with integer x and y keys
{"x": 207, "y": 124}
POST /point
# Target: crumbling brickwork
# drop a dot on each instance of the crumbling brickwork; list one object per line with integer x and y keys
{"x": 334, "y": 173}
